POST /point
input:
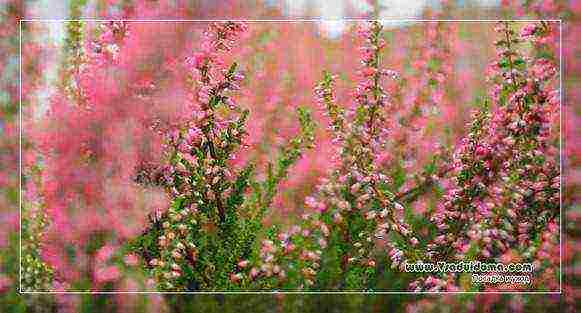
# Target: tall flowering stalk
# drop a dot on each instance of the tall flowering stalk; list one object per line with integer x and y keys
{"x": 204, "y": 240}
{"x": 506, "y": 174}
{"x": 333, "y": 244}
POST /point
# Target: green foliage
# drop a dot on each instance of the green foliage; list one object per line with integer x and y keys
{"x": 36, "y": 275}
{"x": 210, "y": 241}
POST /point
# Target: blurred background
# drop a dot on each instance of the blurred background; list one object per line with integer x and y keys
{"x": 283, "y": 62}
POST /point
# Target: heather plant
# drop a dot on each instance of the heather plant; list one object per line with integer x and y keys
{"x": 504, "y": 198}
{"x": 373, "y": 209}
{"x": 464, "y": 81}
{"x": 545, "y": 242}
{"x": 209, "y": 233}
{"x": 311, "y": 255}
{"x": 356, "y": 207}
{"x": 501, "y": 205}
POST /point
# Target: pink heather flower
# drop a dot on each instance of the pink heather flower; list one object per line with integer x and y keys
{"x": 311, "y": 202}
{"x": 107, "y": 274}
{"x": 528, "y": 30}
{"x": 105, "y": 253}
{"x": 253, "y": 273}
{"x": 131, "y": 260}
{"x": 5, "y": 282}
{"x": 235, "y": 278}
{"x": 288, "y": 247}
{"x": 194, "y": 134}
{"x": 321, "y": 207}
{"x": 196, "y": 61}
{"x": 481, "y": 151}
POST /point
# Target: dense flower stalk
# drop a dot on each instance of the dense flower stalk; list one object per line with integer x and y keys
{"x": 353, "y": 207}
{"x": 206, "y": 237}
{"x": 506, "y": 185}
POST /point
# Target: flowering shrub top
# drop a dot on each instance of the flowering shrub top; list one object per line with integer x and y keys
{"x": 504, "y": 195}
{"x": 497, "y": 195}
{"x": 210, "y": 228}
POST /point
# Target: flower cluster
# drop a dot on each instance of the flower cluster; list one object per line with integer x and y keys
{"x": 506, "y": 181}
{"x": 205, "y": 238}
{"x": 333, "y": 246}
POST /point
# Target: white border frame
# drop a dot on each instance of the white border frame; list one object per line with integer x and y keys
{"x": 250, "y": 292}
